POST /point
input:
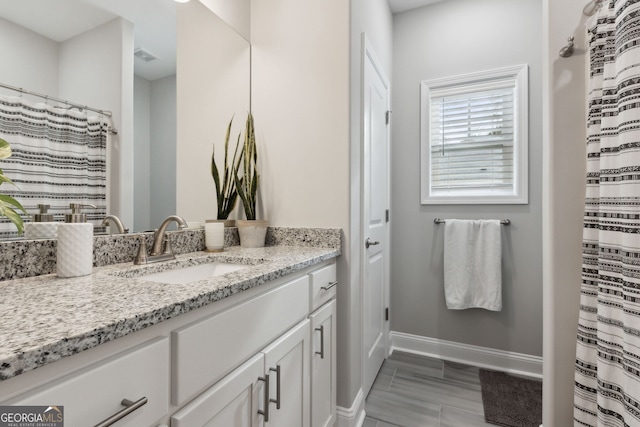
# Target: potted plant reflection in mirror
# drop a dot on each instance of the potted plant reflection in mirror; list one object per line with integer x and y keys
{"x": 226, "y": 191}
{"x": 8, "y": 204}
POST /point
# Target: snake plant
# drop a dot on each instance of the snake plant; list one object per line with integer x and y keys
{"x": 8, "y": 205}
{"x": 226, "y": 192}
{"x": 247, "y": 184}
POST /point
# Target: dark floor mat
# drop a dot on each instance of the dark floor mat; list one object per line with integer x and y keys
{"x": 511, "y": 401}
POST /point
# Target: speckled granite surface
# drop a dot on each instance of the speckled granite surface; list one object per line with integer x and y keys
{"x": 46, "y": 318}
{"x": 28, "y": 258}
{"x": 53, "y": 317}
{"x": 330, "y": 238}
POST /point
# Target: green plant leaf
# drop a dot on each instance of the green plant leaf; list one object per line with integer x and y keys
{"x": 226, "y": 194}
{"x": 8, "y": 200}
{"x": 4, "y": 178}
{"x": 5, "y": 149}
{"x": 247, "y": 185}
{"x": 8, "y": 204}
{"x": 214, "y": 170}
{"x": 7, "y": 208}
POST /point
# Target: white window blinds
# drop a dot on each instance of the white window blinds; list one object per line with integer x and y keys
{"x": 474, "y": 138}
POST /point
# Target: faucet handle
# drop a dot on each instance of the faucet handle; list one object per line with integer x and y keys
{"x": 167, "y": 246}
{"x": 141, "y": 257}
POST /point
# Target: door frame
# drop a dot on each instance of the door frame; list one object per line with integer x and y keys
{"x": 367, "y": 52}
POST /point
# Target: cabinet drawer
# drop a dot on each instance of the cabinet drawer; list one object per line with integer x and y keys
{"x": 323, "y": 285}
{"x": 207, "y": 350}
{"x": 95, "y": 393}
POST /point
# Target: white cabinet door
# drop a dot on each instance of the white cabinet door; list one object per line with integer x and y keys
{"x": 323, "y": 366}
{"x": 288, "y": 358}
{"x": 234, "y": 401}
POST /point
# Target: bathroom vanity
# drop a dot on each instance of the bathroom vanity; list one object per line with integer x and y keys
{"x": 241, "y": 348}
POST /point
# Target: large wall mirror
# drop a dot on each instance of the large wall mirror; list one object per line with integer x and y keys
{"x": 200, "y": 77}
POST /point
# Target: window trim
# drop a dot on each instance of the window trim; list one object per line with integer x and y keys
{"x": 519, "y": 193}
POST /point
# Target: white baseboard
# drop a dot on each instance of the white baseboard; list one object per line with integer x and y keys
{"x": 500, "y": 360}
{"x": 353, "y": 416}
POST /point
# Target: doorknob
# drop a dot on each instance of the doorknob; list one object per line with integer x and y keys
{"x": 368, "y": 243}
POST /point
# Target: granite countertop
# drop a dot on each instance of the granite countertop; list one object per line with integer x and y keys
{"x": 46, "y": 318}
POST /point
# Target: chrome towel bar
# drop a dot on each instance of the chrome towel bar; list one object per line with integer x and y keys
{"x": 442, "y": 221}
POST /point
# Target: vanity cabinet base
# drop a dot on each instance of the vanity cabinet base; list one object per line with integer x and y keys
{"x": 267, "y": 352}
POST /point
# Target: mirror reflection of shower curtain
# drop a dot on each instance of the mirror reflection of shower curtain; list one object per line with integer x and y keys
{"x": 58, "y": 157}
{"x": 607, "y": 377}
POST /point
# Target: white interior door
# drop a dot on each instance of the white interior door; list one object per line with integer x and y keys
{"x": 375, "y": 181}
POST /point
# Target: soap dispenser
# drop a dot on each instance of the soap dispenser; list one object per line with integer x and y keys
{"x": 75, "y": 244}
{"x": 43, "y": 226}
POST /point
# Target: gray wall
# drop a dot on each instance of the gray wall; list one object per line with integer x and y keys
{"x": 163, "y": 149}
{"x": 154, "y": 152}
{"x": 564, "y": 188}
{"x": 141, "y": 155}
{"x": 445, "y": 39}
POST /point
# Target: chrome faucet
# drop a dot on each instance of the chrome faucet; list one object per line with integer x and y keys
{"x": 158, "y": 237}
{"x": 116, "y": 221}
{"x": 158, "y": 252}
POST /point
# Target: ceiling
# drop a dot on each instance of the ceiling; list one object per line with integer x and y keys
{"x": 154, "y": 24}
{"x": 402, "y": 5}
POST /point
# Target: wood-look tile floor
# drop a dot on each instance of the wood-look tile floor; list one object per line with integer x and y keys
{"x": 416, "y": 391}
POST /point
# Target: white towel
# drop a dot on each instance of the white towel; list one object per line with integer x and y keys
{"x": 472, "y": 269}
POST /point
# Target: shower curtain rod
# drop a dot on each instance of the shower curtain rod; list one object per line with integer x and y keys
{"x": 62, "y": 101}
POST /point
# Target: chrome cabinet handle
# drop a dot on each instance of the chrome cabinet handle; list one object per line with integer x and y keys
{"x": 368, "y": 243}
{"x": 321, "y": 352}
{"x": 329, "y": 286}
{"x": 265, "y": 411}
{"x": 129, "y": 407}
{"x": 277, "y": 399}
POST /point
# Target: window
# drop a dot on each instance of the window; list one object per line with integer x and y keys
{"x": 474, "y": 138}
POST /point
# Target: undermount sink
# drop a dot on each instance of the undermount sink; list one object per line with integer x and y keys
{"x": 184, "y": 275}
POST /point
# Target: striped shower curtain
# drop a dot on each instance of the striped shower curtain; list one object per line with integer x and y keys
{"x": 58, "y": 157}
{"x": 607, "y": 378}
